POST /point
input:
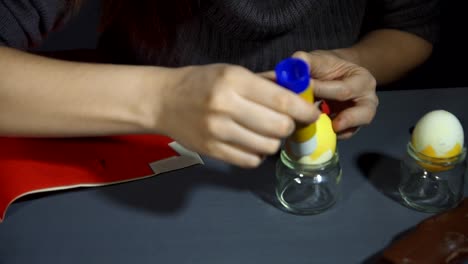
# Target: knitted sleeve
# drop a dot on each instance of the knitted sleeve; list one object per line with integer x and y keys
{"x": 25, "y": 23}
{"x": 420, "y": 17}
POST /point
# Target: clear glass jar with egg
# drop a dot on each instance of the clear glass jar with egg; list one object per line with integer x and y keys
{"x": 434, "y": 167}
{"x": 308, "y": 173}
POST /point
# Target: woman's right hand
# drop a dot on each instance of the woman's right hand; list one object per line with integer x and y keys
{"x": 229, "y": 113}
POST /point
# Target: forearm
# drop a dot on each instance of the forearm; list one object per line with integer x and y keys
{"x": 46, "y": 97}
{"x": 388, "y": 54}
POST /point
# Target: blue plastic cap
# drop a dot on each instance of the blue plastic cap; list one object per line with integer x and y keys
{"x": 293, "y": 74}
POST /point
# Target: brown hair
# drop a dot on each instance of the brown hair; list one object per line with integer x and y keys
{"x": 147, "y": 25}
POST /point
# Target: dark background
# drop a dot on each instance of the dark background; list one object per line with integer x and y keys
{"x": 448, "y": 66}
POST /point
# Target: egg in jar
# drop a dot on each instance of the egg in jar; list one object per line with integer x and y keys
{"x": 438, "y": 135}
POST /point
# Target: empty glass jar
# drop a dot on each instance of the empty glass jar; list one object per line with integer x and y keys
{"x": 432, "y": 184}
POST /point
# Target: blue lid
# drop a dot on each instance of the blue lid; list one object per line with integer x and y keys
{"x": 293, "y": 74}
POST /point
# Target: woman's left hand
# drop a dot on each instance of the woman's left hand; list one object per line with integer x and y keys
{"x": 349, "y": 89}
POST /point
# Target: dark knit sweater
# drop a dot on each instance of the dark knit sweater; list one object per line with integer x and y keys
{"x": 253, "y": 33}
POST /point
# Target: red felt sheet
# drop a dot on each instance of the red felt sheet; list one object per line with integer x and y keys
{"x": 37, "y": 165}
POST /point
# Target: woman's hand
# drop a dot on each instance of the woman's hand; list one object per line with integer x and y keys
{"x": 229, "y": 113}
{"x": 349, "y": 89}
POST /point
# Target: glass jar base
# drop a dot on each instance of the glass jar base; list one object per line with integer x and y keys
{"x": 426, "y": 208}
{"x": 430, "y": 196}
{"x": 306, "y": 199}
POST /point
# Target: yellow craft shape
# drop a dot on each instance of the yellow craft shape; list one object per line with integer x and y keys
{"x": 326, "y": 142}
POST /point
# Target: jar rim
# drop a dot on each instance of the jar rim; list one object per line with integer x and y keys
{"x": 296, "y": 164}
{"x": 449, "y": 161}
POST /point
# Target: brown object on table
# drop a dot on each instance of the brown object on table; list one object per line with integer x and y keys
{"x": 442, "y": 238}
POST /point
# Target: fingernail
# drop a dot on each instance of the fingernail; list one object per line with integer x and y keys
{"x": 318, "y": 112}
{"x": 318, "y": 103}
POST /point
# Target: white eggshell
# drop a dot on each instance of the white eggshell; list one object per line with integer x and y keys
{"x": 439, "y": 129}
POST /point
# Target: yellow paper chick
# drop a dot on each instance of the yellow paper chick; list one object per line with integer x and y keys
{"x": 324, "y": 142}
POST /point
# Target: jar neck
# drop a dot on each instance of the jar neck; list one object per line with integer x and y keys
{"x": 295, "y": 164}
{"x": 431, "y": 161}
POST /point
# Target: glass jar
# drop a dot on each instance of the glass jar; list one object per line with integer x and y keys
{"x": 432, "y": 184}
{"x": 305, "y": 188}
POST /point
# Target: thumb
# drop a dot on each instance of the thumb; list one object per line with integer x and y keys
{"x": 305, "y": 56}
{"x": 320, "y": 64}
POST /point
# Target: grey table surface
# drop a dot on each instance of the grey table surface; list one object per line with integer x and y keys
{"x": 221, "y": 214}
